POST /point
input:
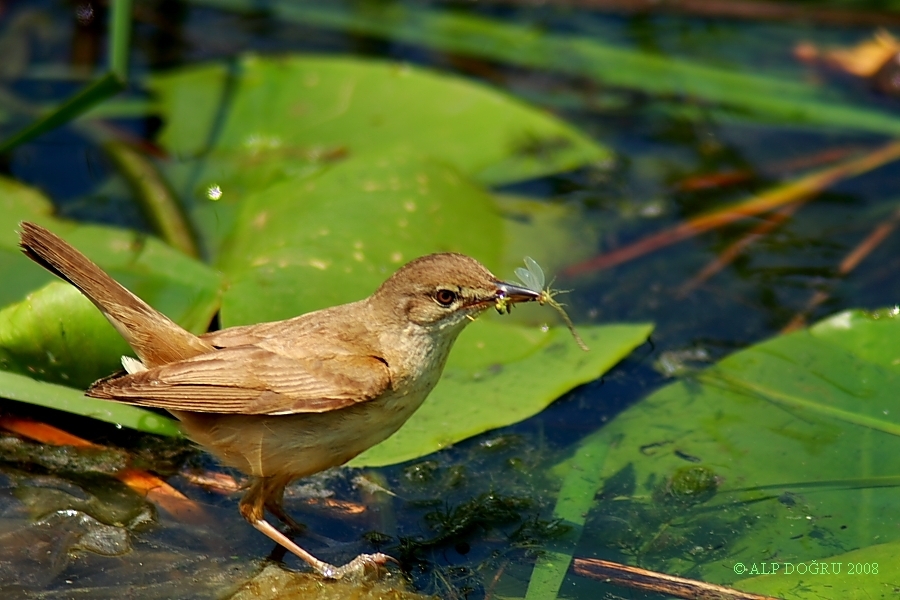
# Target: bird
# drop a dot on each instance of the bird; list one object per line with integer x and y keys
{"x": 286, "y": 399}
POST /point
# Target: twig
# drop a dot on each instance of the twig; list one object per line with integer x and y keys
{"x": 727, "y": 178}
{"x": 156, "y": 199}
{"x": 850, "y": 262}
{"x": 642, "y": 579}
{"x": 801, "y": 189}
{"x": 489, "y": 591}
{"x": 731, "y": 253}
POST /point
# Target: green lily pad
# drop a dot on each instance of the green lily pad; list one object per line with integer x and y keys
{"x": 55, "y": 334}
{"x": 862, "y": 574}
{"x": 800, "y": 434}
{"x": 865, "y": 334}
{"x": 555, "y": 235}
{"x": 319, "y": 241}
{"x": 299, "y": 107}
{"x": 262, "y": 121}
{"x": 183, "y": 288}
{"x": 18, "y": 203}
{"x": 60, "y": 397}
{"x": 753, "y": 92}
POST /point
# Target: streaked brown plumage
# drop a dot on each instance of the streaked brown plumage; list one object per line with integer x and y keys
{"x": 290, "y": 398}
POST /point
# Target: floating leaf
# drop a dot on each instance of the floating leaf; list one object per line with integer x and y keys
{"x": 298, "y": 107}
{"x": 799, "y": 431}
{"x": 59, "y": 397}
{"x": 858, "y": 575}
{"x": 581, "y": 481}
{"x": 309, "y": 243}
{"x": 772, "y": 98}
{"x": 55, "y": 334}
{"x": 266, "y": 120}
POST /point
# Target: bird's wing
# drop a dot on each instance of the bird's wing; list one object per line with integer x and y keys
{"x": 252, "y": 380}
{"x": 251, "y": 335}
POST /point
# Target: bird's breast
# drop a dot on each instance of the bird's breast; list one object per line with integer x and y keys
{"x": 416, "y": 361}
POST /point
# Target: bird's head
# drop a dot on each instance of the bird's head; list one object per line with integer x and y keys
{"x": 443, "y": 292}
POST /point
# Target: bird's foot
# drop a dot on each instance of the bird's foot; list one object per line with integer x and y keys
{"x": 355, "y": 568}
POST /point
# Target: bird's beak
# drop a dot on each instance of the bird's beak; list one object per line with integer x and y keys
{"x": 512, "y": 293}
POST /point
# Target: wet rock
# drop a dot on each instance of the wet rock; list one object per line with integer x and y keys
{"x": 276, "y": 583}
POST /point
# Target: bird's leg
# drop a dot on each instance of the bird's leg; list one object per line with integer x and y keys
{"x": 253, "y": 506}
{"x": 274, "y": 503}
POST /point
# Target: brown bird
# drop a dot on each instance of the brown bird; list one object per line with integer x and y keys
{"x": 287, "y": 399}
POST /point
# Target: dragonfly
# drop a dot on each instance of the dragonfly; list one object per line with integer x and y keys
{"x": 532, "y": 277}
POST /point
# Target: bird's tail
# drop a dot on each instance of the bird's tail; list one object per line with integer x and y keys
{"x": 155, "y": 338}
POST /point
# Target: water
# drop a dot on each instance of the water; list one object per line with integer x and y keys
{"x": 501, "y": 479}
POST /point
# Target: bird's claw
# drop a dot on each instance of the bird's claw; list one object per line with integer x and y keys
{"x": 356, "y": 567}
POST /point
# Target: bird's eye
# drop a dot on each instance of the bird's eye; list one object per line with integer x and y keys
{"x": 445, "y": 297}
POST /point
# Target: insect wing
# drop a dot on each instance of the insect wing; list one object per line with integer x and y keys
{"x": 536, "y": 271}
{"x": 533, "y": 276}
{"x": 527, "y": 279}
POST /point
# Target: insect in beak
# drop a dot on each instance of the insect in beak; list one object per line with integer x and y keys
{"x": 533, "y": 283}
